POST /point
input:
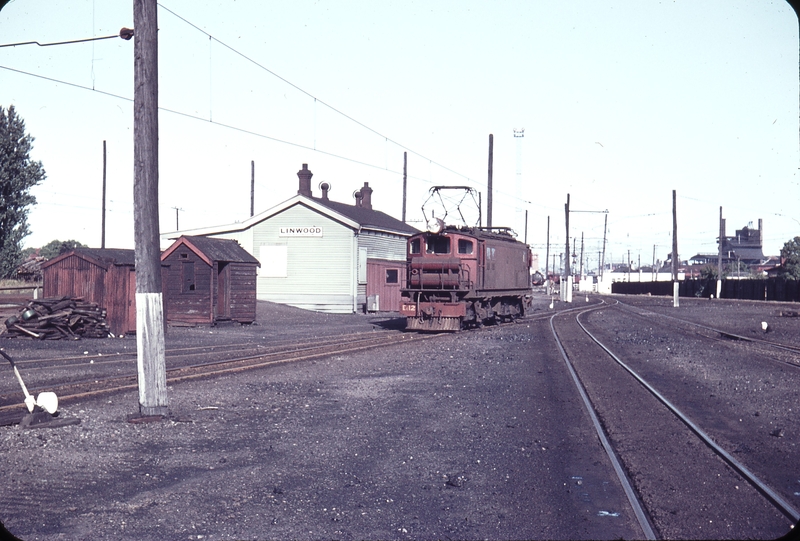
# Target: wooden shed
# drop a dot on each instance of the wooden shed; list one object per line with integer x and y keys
{"x": 103, "y": 276}
{"x": 209, "y": 280}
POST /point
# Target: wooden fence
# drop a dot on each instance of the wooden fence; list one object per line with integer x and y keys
{"x": 771, "y": 289}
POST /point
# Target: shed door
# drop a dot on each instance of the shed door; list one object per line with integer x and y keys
{"x": 223, "y": 291}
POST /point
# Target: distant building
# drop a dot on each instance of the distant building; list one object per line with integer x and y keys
{"x": 745, "y": 248}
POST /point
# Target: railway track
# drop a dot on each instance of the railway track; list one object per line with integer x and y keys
{"x": 73, "y": 378}
{"x": 666, "y": 439}
{"x": 787, "y": 353}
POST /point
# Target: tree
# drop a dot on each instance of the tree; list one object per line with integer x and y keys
{"x": 18, "y": 174}
{"x": 790, "y": 260}
{"x": 55, "y": 248}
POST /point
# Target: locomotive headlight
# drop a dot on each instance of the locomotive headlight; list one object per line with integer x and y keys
{"x": 435, "y": 226}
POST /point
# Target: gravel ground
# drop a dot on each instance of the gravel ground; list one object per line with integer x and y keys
{"x": 478, "y": 435}
{"x": 468, "y": 436}
{"x": 689, "y": 491}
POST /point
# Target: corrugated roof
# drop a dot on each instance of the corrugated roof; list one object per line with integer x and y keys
{"x": 221, "y": 249}
{"x": 368, "y": 217}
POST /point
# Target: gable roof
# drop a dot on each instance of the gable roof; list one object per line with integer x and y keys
{"x": 212, "y": 249}
{"x": 353, "y": 217}
{"x": 102, "y": 257}
{"x": 369, "y": 218}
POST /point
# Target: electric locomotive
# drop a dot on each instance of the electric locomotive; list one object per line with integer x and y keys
{"x": 464, "y": 276}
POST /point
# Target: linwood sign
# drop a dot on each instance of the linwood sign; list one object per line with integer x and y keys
{"x": 313, "y": 231}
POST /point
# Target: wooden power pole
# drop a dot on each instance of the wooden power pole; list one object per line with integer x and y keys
{"x": 103, "y": 220}
{"x": 252, "y": 187}
{"x": 566, "y": 264}
{"x": 151, "y": 360}
{"x": 674, "y": 237}
{"x": 489, "y": 197}
{"x": 405, "y": 183}
{"x": 547, "y": 258}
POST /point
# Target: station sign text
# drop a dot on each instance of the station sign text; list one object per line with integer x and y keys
{"x": 313, "y": 231}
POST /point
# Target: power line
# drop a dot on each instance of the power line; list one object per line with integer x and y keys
{"x": 311, "y": 95}
{"x": 124, "y": 33}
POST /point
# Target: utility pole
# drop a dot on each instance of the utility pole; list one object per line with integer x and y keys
{"x": 489, "y": 197}
{"x": 526, "y": 226}
{"x": 252, "y": 187}
{"x": 629, "y": 265}
{"x": 103, "y": 220}
{"x": 581, "y": 267}
{"x": 405, "y": 183}
{"x": 674, "y": 237}
{"x": 603, "y": 261}
{"x": 568, "y": 274}
{"x": 151, "y": 361}
{"x": 547, "y": 257}
{"x": 653, "y": 268}
{"x": 675, "y": 284}
{"x": 177, "y": 227}
{"x": 719, "y": 262}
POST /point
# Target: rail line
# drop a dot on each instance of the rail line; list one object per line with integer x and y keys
{"x": 286, "y": 353}
{"x": 783, "y": 506}
{"x": 724, "y": 336}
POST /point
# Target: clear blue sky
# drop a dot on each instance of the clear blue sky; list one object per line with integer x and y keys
{"x": 621, "y": 103}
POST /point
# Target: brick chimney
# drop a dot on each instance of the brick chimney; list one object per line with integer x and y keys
{"x": 305, "y": 181}
{"x": 366, "y": 196}
{"x": 325, "y": 187}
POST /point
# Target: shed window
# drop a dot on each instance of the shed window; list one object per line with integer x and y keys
{"x": 437, "y": 245}
{"x": 413, "y": 247}
{"x": 188, "y": 276}
{"x": 391, "y": 276}
{"x": 465, "y": 246}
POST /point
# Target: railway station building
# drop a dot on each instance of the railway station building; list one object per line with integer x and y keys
{"x": 322, "y": 255}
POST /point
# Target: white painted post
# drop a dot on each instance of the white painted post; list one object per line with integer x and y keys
{"x": 150, "y": 345}
{"x": 675, "y": 288}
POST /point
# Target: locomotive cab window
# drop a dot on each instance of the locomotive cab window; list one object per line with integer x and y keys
{"x": 413, "y": 247}
{"x": 437, "y": 245}
{"x": 391, "y": 276}
{"x": 465, "y": 246}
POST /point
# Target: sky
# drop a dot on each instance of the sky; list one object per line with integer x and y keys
{"x": 621, "y": 102}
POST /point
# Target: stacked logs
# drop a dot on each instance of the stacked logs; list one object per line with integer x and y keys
{"x": 57, "y": 318}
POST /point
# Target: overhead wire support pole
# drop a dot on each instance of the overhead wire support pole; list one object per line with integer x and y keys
{"x": 103, "y": 220}
{"x": 177, "y": 226}
{"x": 150, "y": 348}
{"x": 252, "y": 187}
{"x": 567, "y": 285}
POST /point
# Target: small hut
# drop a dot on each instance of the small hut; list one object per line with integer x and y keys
{"x": 104, "y": 276}
{"x": 209, "y": 281}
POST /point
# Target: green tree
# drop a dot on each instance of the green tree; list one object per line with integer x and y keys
{"x": 790, "y": 256}
{"x": 55, "y": 248}
{"x": 710, "y": 272}
{"x": 18, "y": 174}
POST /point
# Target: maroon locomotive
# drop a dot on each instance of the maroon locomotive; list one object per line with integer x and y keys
{"x": 464, "y": 276}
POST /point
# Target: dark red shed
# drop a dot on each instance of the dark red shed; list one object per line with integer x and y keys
{"x": 209, "y": 280}
{"x": 103, "y": 276}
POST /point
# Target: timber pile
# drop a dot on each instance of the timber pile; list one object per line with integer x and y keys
{"x": 57, "y": 318}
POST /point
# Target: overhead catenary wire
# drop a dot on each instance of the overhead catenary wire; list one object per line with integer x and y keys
{"x": 316, "y": 99}
{"x": 126, "y": 33}
{"x": 235, "y": 128}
